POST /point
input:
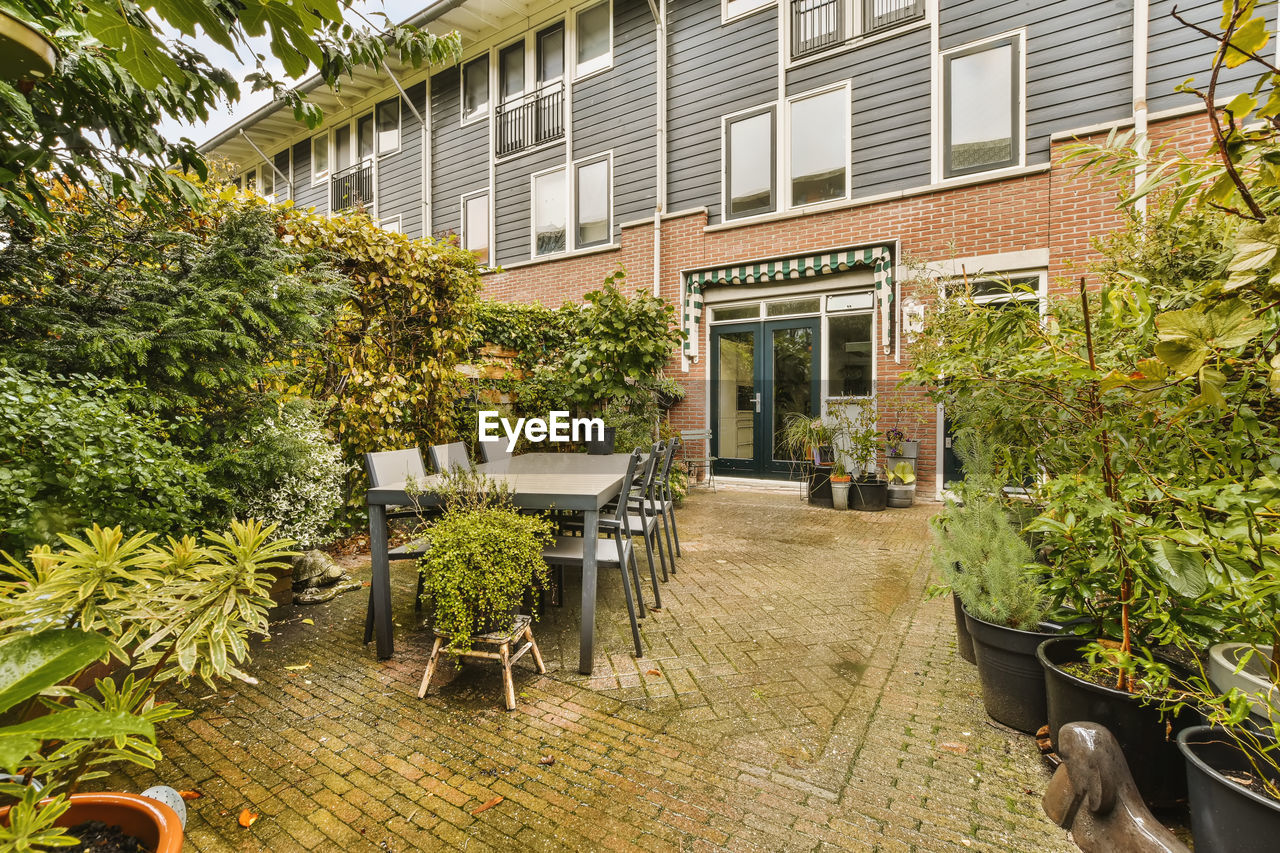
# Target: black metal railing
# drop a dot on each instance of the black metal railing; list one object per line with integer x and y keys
{"x": 882, "y": 14}
{"x": 816, "y": 24}
{"x": 352, "y": 187}
{"x": 534, "y": 119}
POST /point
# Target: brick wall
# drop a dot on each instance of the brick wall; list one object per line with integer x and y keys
{"x": 1060, "y": 211}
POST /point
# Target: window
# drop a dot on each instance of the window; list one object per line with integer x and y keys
{"x": 883, "y": 14}
{"x": 750, "y": 165}
{"x": 737, "y": 8}
{"x": 475, "y": 88}
{"x": 591, "y": 204}
{"x": 511, "y": 72}
{"x": 551, "y": 54}
{"x": 982, "y": 115}
{"x": 364, "y": 136}
{"x": 595, "y": 39}
{"x": 549, "y": 210}
{"x": 849, "y": 355}
{"x": 818, "y": 25}
{"x": 268, "y": 181}
{"x": 819, "y": 147}
{"x": 388, "y": 113}
{"x": 475, "y": 225}
{"x": 284, "y": 162}
{"x": 319, "y": 157}
{"x": 342, "y": 148}
{"x": 251, "y": 180}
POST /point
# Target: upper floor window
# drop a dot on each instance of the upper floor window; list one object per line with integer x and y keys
{"x": 750, "y": 164}
{"x": 511, "y": 72}
{"x": 595, "y": 39}
{"x": 364, "y": 137}
{"x": 819, "y": 147}
{"x": 475, "y": 88}
{"x": 319, "y": 157}
{"x": 982, "y": 107}
{"x": 549, "y": 213}
{"x": 820, "y": 24}
{"x": 592, "y": 224}
{"x": 475, "y": 225}
{"x": 388, "y": 119}
{"x": 731, "y": 9}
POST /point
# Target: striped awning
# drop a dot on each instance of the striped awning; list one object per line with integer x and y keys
{"x": 878, "y": 258}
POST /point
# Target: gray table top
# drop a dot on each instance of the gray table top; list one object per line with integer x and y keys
{"x": 574, "y": 481}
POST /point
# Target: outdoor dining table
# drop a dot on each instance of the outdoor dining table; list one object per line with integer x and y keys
{"x": 564, "y": 481}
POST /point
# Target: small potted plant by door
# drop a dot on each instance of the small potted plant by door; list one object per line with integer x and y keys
{"x": 840, "y": 484}
{"x": 898, "y": 449}
{"x": 807, "y": 440}
{"x": 988, "y": 564}
{"x": 855, "y": 432}
{"x": 902, "y": 486}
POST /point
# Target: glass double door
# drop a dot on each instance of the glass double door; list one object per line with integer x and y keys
{"x": 760, "y": 374}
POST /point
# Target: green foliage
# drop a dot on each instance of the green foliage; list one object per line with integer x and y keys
{"x": 484, "y": 558}
{"x": 902, "y": 473}
{"x": 73, "y": 448}
{"x": 979, "y": 552}
{"x": 121, "y": 72}
{"x": 198, "y": 308}
{"x": 854, "y": 434}
{"x": 802, "y": 434}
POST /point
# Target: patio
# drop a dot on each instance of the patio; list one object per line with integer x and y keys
{"x": 796, "y": 693}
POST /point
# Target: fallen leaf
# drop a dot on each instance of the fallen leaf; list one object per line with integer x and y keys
{"x": 654, "y": 672}
{"x": 487, "y": 806}
{"x": 190, "y": 795}
{"x": 368, "y": 583}
{"x": 308, "y": 621}
{"x": 547, "y": 760}
{"x": 957, "y": 748}
{"x": 299, "y": 666}
{"x": 247, "y": 818}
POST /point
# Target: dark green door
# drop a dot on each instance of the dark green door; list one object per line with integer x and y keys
{"x": 760, "y": 373}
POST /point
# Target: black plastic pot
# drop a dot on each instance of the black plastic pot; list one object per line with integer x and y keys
{"x": 964, "y": 641}
{"x": 1012, "y": 678}
{"x": 820, "y": 486}
{"x": 605, "y": 446}
{"x": 869, "y": 497}
{"x": 1225, "y": 817}
{"x": 1147, "y": 741}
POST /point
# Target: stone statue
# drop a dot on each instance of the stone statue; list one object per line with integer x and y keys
{"x": 1093, "y": 796}
{"x": 317, "y": 578}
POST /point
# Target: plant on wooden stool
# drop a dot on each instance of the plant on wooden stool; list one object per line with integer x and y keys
{"x": 483, "y": 557}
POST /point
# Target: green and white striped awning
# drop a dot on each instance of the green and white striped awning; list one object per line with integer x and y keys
{"x": 879, "y": 258}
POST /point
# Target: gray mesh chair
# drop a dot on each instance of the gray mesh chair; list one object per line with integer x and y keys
{"x": 385, "y": 467}
{"x": 699, "y": 462}
{"x": 664, "y": 501}
{"x": 495, "y": 451}
{"x": 446, "y": 457}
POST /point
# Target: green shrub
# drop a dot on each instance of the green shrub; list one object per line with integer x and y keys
{"x": 74, "y": 449}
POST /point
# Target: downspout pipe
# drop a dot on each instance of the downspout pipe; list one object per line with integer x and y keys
{"x": 272, "y": 163}
{"x": 424, "y": 125}
{"x": 659, "y": 10}
{"x": 1141, "y": 32}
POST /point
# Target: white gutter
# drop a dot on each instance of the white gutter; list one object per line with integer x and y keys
{"x": 1141, "y": 29}
{"x": 660, "y": 139}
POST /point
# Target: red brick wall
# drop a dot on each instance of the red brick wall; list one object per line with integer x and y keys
{"x": 1060, "y": 210}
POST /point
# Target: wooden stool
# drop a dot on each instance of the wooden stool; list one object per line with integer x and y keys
{"x": 520, "y": 629}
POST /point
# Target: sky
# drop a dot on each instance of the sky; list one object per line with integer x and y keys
{"x": 227, "y": 115}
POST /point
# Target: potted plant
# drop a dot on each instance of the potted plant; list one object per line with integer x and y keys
{"x": 901, "y": 490}
{"x": 898, "y": 449}
{"x": 483, "y": 560}
{"x": 805, "y": 437}
{"x": 854, "y": 433}
{"x": 840, "y": 483}
{"x": 137, "y": 615}
{"x": 982, "y": 557}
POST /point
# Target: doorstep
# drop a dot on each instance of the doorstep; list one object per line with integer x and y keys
{"x": 748, "y": 484}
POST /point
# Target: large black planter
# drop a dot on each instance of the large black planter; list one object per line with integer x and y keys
{"x": 1225, "y": 818}
{"x": 964, "y": 641}
{"x": 1147, "y": 741}
{"x": 869, "y": 497}
{"x": 1012, "y": 678}
{"x": 820, "y": 485}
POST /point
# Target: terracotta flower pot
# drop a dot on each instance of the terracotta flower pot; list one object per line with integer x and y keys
{"x": 154, "y": 824}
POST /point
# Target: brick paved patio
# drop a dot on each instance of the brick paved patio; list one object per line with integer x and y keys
{"x": 797, "y": 694}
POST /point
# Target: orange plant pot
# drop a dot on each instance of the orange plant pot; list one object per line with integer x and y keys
{"x": 155, "y": 825}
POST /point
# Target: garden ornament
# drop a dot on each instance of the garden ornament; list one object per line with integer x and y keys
{"x": 1092, "y": 795}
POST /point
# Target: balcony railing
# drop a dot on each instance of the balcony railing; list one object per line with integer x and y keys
{"x": 815, "y": 25}
{"x": 882, "y": 14}
{"x": 534, "y": 119}
{"x": 351, "y": 188}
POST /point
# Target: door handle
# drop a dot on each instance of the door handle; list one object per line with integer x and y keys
{"x": 756, "y": 397}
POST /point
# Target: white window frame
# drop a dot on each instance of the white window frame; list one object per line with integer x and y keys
{"x": 784, "y": 130}
{"x": 940, "y": 107}
{"x": 607, "y": 159}
{"x": 778, "y": 164}
{"x": 318, "y": 178}
{"x": 760, "y": 5}
{"x": 566, "y": 170}
{"x": 466, "y": 197}
{"x": 391, "y": 223}
{"x": 594, "y": 66}
{"x": 853, "y": 32}
{"x": 484, "y": 113}
{"x": 288, "y": 174}
{"x": 377, "y": 134}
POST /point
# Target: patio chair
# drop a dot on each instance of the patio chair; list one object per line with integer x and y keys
{"x": 665, "y": 501}
{"x": 446, "y": 457}
{"x": 616, "y": 550}
{"x": 645, "y": 501}
{"x": 703, "y": 462}
{"x": 396, "y": 466}
{"x": 494, "y": 451}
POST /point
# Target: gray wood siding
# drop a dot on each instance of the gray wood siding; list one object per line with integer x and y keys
{"x": 305, "y": 195}
{"x": 459, "y": 155}
{"x": 514, "y": 198}
{"x": 617, "y": 110}
{"x": 1177, "y": 53}
{"x": 714, "y": 70}
{"x": 400, "y": 173}
{"x": 1079, "y": 58}
{"x": 890, "y": 112}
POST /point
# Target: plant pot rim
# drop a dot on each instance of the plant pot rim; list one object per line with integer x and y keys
{"x": 1045, "y": 662}
{"x": 168, "y": 824}
{"x": 1189, "y": 754}
{"x": 840, "y": 480}
{"x": 1000, "y": 627}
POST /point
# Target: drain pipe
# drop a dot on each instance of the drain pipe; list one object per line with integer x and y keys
{"x": 1141, "y": 29}
{"x": 424, "y": 128}
{"x": 272, "y": 163}
{"x": 659, "y": 10}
